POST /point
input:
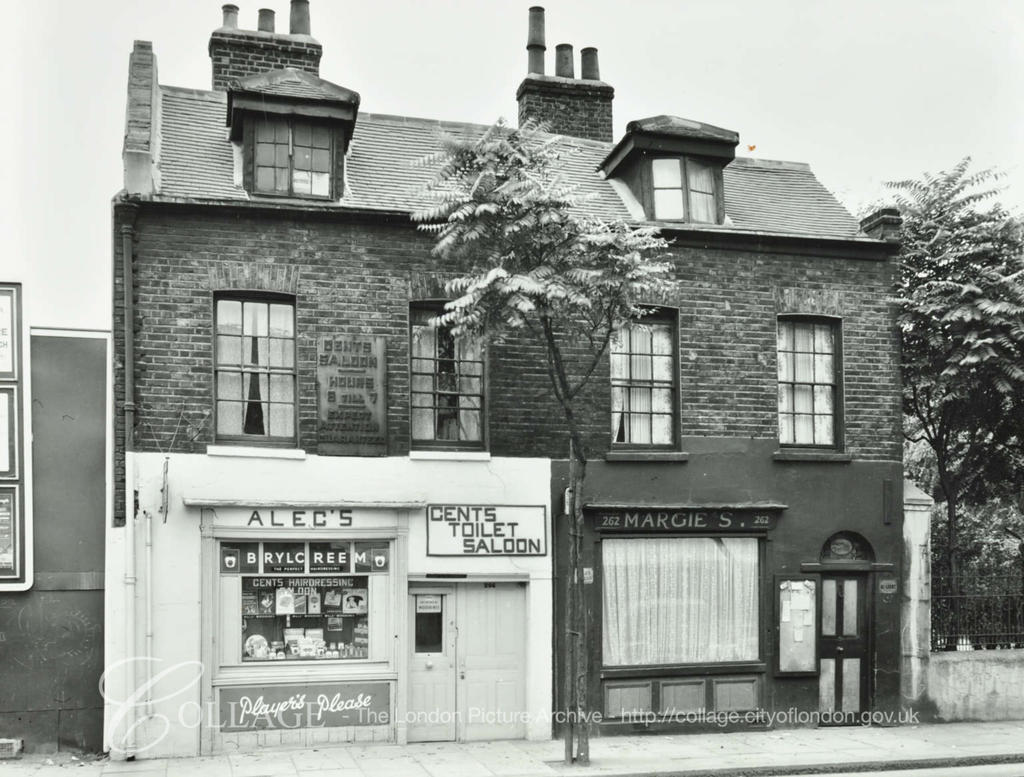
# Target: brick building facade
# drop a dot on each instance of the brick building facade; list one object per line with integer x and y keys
{"x": 289, "y": 234}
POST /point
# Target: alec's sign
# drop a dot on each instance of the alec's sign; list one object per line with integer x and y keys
{"x": 687, "y": 519}
{"x": 486, "y": 530}
{"x": 309, "y": 705}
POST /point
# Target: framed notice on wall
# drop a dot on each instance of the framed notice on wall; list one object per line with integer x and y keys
{"x": 797, "y": 624}
{"x": 10, "y": 540}
{"x": 10, "y": 337}
{"x": 12, "y": 527}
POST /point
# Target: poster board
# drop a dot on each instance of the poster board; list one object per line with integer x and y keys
{"x": 797, "y": 624}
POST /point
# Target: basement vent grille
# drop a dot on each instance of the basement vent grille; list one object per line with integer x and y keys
{"x": 10, "y": 748}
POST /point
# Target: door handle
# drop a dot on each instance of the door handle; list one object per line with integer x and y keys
{"x": 840, "y": 649}
{"x": 429, "y": 664}
{"x": 462, "y": 674}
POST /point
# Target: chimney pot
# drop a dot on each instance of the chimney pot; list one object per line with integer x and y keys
{"x": 266, "y": 20}
{"x": 535, "y": 46}
{"x": 230, "y": 16}
{"x": 563, "y": 60}
{"x": 298, "y": 20}
{"x": 588, "y": 64}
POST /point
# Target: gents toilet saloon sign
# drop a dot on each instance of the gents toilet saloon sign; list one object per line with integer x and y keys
{"x": 486, "y": 530}
{"x": 309, "y": 705}
{"x": 688, "y": 519}
{"x": 351, "y": 393}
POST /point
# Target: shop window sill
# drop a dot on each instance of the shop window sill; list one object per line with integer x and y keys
{"x": 252, "y": 452}
{"x": 650, "y": 456}
{"x": 810, "y": 455}
{"x": 449, "y": 455}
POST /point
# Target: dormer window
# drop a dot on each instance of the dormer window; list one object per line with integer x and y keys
{"x": 293, "y": 158}
{"x": 673, "y": 168}
{"x": 294, "y": 129}
{"x": 683, "y": 190}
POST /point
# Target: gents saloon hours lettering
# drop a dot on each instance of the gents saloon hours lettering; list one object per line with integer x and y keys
{"x": 690, "y": 519}
{"x": 351, "y": 412}
{"x": 458, "y": 530}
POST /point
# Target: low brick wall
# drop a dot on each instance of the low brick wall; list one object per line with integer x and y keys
{"x": 977, "y": 685}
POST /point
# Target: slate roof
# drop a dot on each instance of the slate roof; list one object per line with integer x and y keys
{"x": 197, "y": 163}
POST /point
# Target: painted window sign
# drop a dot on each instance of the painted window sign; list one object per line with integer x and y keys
{"x": 689, "y": 519}
{"x": 309, "y": 705}
{"x": 305, "y": 618}
{"x": 486, "y": 530}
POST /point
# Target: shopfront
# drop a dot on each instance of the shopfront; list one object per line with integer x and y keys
{"x": 288, "y": 621}
{"x": 779, "y": 609}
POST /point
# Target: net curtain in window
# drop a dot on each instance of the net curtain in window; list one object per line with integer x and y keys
{"x": 680, "y": 600}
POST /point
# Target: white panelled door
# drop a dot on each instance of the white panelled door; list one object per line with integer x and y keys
{"x": 467, "y": 668}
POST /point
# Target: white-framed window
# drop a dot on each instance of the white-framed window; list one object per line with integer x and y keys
{"x": 447, "y": 386}
{"x": 643, "y": 383}
{"x": 684, "y": 189}
{"x": 255, "y": 369}
{"x": 808, "y": 357}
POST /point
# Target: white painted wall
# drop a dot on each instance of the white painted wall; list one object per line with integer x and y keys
{"x": 288, "y": 478}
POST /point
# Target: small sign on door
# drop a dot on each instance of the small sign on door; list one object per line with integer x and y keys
{"x": 428, "y": 603}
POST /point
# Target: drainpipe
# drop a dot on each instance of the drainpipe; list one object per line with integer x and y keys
{"x": 130, "y": 578}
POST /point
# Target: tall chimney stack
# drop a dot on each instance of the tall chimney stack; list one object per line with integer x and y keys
{"x": 535, "y": 41}
{"x": 237, "y": 53}
{"x": 580, "y": 107}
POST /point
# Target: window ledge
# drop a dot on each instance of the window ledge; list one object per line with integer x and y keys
{"x": 653, "y": 456}
{"x": 808, "y": 455}
{"x": 252, "y": 452}
{"x": 449, "y": 455}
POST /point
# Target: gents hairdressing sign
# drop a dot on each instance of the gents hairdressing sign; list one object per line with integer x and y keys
{"x": 309, "y": 705}
{"x": 486, "y": 530}
{"x": 688, "y": 519}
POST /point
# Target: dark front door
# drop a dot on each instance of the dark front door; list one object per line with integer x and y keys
{"x": 843, "y": 644}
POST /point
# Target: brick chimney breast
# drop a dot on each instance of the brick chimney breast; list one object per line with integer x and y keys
{"x": 580, "y": 107}
{"x": 236, "y": 53}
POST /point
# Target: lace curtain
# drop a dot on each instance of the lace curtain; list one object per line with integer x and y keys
{"x": 680, "y": 600}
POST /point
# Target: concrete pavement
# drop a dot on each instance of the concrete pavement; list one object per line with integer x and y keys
{"x": 741, "y": 753}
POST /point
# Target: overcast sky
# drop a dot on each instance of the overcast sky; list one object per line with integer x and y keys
{"x": 864, "y": 90}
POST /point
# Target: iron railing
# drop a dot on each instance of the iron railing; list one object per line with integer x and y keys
{"x": 981, "y": 615}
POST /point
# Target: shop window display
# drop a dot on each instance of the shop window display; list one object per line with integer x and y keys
{"x": 289, "y": 612}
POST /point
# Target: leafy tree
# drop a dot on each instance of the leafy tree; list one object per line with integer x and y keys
{"x": 529, "y": 263}
{"x": 961, "y": 297}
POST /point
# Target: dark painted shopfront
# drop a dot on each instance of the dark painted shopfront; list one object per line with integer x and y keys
{"x": 734, "y": 588}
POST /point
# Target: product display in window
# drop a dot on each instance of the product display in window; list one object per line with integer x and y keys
{"x": 305, "y": 618}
